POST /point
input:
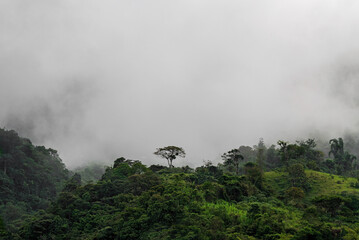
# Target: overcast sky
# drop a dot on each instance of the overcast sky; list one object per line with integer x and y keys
{"x": 97, "y": 80}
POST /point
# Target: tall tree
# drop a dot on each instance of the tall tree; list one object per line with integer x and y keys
{"x": 233, "y": 157}
{"x": 336, "y": 148}
{"x": 343, "y": 159}
{"x": 261, "y": 149}
{"x": 170, "y": 153}
{"x": 283, "y": 152}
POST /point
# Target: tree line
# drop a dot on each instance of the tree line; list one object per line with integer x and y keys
{"x": 287, "y": 191}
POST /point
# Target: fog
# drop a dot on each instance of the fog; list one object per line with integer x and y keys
{"x": 98, "y": 80}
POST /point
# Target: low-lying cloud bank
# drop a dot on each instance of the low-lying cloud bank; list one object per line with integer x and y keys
{"x": 99, "y": 80}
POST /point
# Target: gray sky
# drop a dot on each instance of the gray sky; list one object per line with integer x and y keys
{"x": 97, "y": 80}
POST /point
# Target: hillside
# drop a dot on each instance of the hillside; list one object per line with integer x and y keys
{"x": 321, "y": 184}
{"x": 133, "y": 202}
{"x": 299, "y": 196}
{"x": 30, "y": 176}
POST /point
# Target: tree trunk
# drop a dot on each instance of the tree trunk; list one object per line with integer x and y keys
{"x": 5, "y": 166}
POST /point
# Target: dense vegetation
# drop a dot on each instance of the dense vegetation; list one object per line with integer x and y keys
{"x": 30, "y": 177}
{"x": 288, "y": 192}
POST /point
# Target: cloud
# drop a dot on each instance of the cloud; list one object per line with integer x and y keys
{"x": 99, "y": 80}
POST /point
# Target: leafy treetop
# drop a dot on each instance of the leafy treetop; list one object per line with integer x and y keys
{"x": 170, "y": 153}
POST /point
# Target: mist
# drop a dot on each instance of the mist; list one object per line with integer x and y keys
{"x": 98, "y": 80}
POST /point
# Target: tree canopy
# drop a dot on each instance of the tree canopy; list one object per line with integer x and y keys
{"x": 170, "y": 153}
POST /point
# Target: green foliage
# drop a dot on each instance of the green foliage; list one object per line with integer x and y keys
{"x": 123, "y": 168}
{"x": 205, "y": 173}
{"x": 321, "y": 232}
{"x": 297, "y": 176}
{"x": 302, "y": 152}
{"x": 343, "y": 160}
{"x": 3, "y": 231}
{"x": 330, "y": 204}
{"x": 212, "y": 191}
{"x": 156, "y": 168}
{"x": 254, "y": 174}
{"x": 30, "y": 176}
{"x": 264, "y": 221}
{"x": 236, "y": 188}
{"x": 73, "y": 183}
{"x": 294, "y": 194}
{"x": 131, "y": 201}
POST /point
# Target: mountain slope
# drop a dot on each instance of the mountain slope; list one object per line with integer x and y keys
{"x": 320, "y": 184}
{"x": 133, "y": 202}
{"x": 30, "y": 176}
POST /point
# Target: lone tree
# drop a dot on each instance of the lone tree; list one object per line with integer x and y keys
{"x": 233, "y": 158}
{"x": 170, "y": 153}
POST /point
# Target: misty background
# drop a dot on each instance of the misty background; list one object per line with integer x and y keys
{"x": 98, "y": 80}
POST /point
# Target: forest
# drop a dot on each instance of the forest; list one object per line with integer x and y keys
{"x": 297, "y": 190}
